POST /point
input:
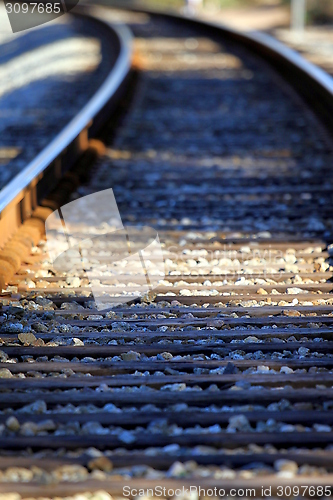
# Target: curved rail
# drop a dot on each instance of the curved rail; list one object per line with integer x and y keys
{"x": 189, "y": 320}
{"x": 310, "y": 81}
{"x": 73, "y": 137}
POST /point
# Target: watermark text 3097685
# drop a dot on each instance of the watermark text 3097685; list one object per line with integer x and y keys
{"x": 32, "y": 13}
{"x": 34, "y": 8}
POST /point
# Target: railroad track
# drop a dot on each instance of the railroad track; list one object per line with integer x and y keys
{"x": 222, "y": 375}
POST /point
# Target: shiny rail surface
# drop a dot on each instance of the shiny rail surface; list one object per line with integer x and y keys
{"x": 222, "y": 376}
{"x": 73, "y": 137}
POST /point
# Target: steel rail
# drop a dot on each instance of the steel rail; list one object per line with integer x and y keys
{"x": 73, "y": 136}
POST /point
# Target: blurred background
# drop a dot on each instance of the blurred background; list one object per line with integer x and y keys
{"x": 305, "y": 25}
{"x": 318, "y": 11}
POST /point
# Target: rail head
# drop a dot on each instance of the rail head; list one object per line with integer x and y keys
{"x": 312, "y": 82}
{"x": 13, "y": 193}
{"x": 291, "y": 56}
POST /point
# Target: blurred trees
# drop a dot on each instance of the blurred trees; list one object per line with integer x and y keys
{"x": 320, "y": 11}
